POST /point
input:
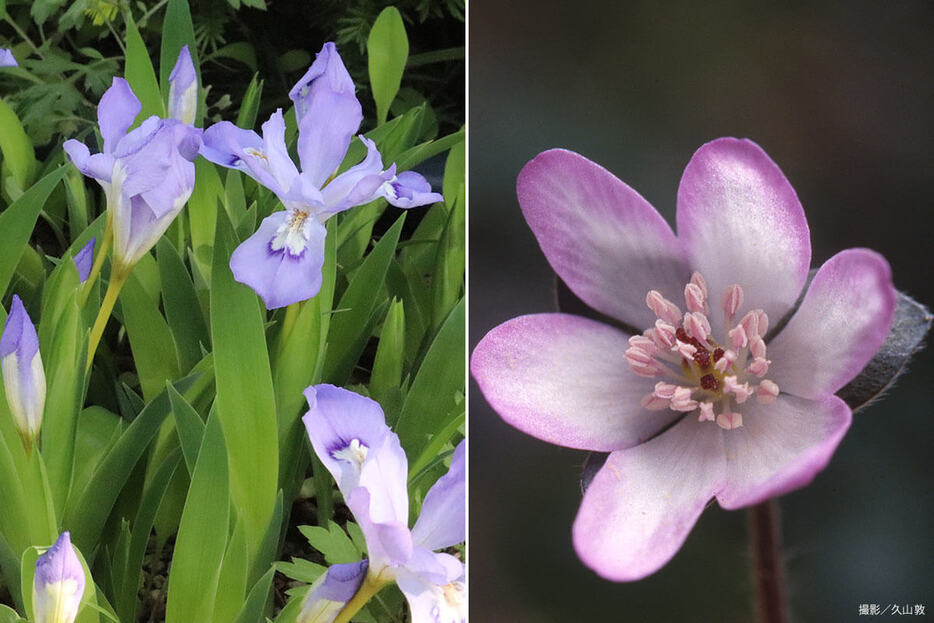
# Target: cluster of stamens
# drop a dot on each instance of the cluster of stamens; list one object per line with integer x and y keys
{"x": 702, "y": 374}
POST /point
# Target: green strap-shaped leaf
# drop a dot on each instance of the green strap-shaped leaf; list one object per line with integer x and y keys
{"x": 387, "y": 51}
{"x": 64, "y": 368}
{"x": 189, "y": 425}
{"x": 150, "y": 338}
{"x": 182, "y": 310}
{"x": 231, "y": 585}
{"x": 9, "y": 615}
{"x": 140, "y": 74}
{"x": 249, "y": 105}
{"x": 18, "y": 221}
{"x": 256, "y": 601}
{"x": 438, "y": 386}
{"x": 387, "y": 367}
{"x": 87, "y": 510}
{"x": 246, "y": 402}
{"x": 18, "y": 154}
{"x": 202, "y": 214}
{"x": 350, "y": 328}
{"x": 451, "y": 254}
{"x": 126, "y": 598}
{"x": 202, "y": 534}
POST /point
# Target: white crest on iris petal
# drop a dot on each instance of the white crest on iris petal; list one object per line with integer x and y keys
{"x": 256, "y": 153}
{"x": 455, "y": 597}
{"x": 354, "y": 452}
{"x": 293, "y": 234}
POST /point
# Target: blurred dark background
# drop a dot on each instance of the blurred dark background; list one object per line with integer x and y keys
{"x": 841, "y": 96}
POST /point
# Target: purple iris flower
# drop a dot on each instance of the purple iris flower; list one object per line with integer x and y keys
{"x": 350, "y": 436}
{"x": 183, "y": 89}
{"x": 59, "y": 583}
{"x": 7, "y": 59}
{"x": 328, "y": 595}
{"x": 147, "y": 174}
{"x": 84, "y": 260}
{"x": 23, "y": 375}
{"x": 282, "y": 261}
{"x": 706, "y": 402}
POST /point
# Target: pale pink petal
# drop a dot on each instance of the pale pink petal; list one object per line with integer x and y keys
{"x": 741, "y": 223}
{"x": 564, "y": 379}
{"x": 602, "y": 238}
{"x": 842, "y": 322}
{"x": 642, "y": 503}
{"x": 780, "y": 447}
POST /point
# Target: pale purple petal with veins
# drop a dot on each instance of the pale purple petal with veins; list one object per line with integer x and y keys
{"x": 328, "y": 114}
{"x": 343, "y": 427}
{"x": 183, "y": 88}
{"x": 357, "y": 185}
{"x": 435, "y": 602}
{"x": 116, "y": 111}
{"x": 442, "y": 522}
{"x": 23, "y": 374}
{"x": 388, "y": 540}
{"x": 408, "y": 190}
{"x": 7, "y": 59}
{"x": 328, "y": 595}
{"x": 280, "y": 277}
{"x": 84, "y": 260}
{"x": 98, "y": 166}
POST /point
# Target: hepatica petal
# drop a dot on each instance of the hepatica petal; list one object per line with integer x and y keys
{"x": 781, "y": 447}
{"x": 644, "y": 501}
{"x": 841, "y": 323}
{"x": 741, "y": 222}
{"x": 605, "y": 241}
{"x": 564, "y": 379}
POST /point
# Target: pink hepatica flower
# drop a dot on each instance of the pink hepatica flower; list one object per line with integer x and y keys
{"x": 707, "y": 401}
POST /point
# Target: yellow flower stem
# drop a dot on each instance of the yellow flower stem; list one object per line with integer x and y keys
{"x": 371, "y": 585}
{"x": 99, "y": 258}
{"x": 117, "y": 279}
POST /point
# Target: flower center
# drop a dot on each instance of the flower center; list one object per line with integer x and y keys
{"x": 292, "y": 235}
{"x": 703, "y": 375}
{"x": 354, "y": 452}
{"x": 256, "y": 153}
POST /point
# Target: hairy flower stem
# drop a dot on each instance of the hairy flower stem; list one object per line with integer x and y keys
{"x": 110, "y": 298}
{"x": 99, "y": 258}
{"x": 765, "y": 542}
{"x": 371, "y": 585}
